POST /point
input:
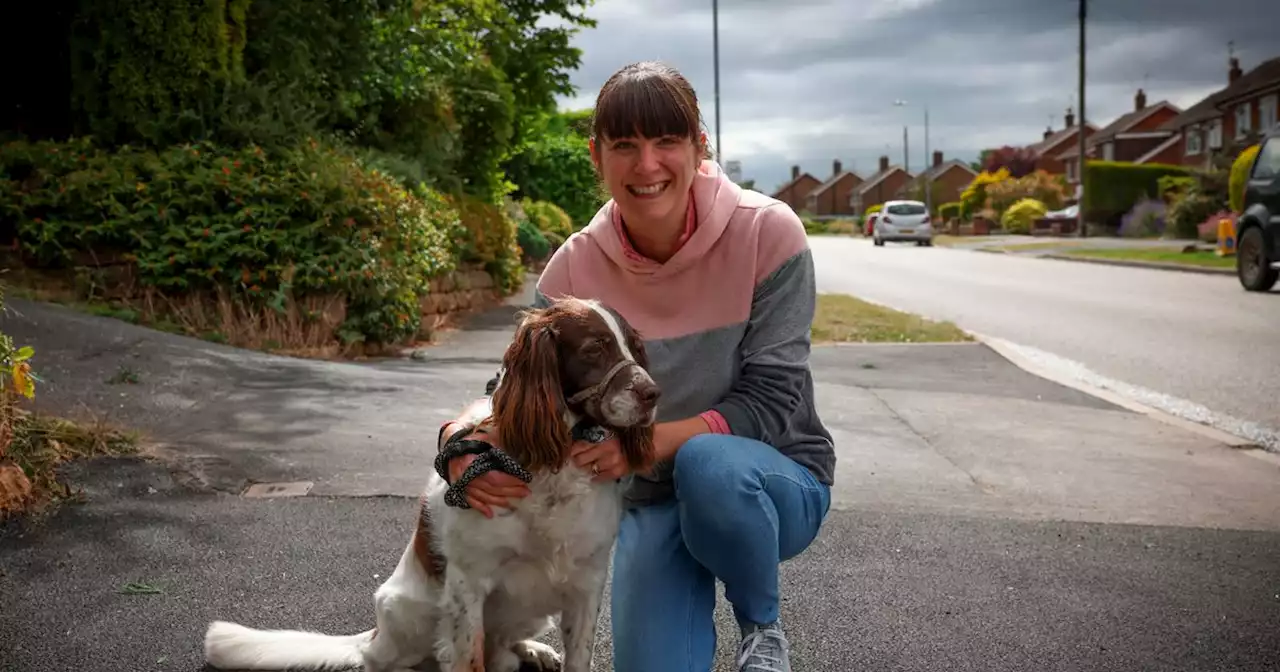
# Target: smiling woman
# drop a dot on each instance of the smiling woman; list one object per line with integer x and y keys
{"x": 719, "y": 282}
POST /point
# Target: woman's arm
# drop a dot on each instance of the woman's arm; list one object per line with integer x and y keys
{"x": 775, "y": 386}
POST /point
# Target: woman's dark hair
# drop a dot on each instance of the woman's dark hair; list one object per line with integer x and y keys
{"x": 648, "y": 99}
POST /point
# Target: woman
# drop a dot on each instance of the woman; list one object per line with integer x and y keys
{"x": 720, "y": 282}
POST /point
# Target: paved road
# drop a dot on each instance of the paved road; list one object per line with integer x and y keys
{"x": 983, "y": 518}
{"x": 1196, "y": 338}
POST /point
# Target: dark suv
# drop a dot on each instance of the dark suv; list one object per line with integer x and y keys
{"x": 1258, "y": 229}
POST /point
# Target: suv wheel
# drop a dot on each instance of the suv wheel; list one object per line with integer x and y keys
{"x": 1252, "y": 265}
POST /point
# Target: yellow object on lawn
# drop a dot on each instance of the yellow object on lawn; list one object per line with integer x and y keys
{"x": 1226, "y": 237}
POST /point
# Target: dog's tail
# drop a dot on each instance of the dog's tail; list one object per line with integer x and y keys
{"x": 230, "y": 646}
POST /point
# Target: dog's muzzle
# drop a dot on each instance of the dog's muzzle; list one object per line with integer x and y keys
{"x": 599, "y": 388}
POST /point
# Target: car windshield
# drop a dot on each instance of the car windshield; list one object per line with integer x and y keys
{"x": 905, "y": 209}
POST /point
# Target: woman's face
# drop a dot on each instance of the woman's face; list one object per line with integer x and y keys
{"x": 649, "y": 178}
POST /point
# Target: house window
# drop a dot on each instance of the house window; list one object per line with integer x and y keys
{"x": 1267, "y": 113}
{"x": 1109, "y": 151}
{"x": 1195, "y": 141}
{"x": 1215, "y": 134}
{"x": 1243, "y": 117}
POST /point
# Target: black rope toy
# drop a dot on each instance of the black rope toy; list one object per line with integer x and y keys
{"x": 490, "y": 458}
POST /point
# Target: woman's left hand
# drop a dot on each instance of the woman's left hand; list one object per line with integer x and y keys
{"x": 604, "y": 460}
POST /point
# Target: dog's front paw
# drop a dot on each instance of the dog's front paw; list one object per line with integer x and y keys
{"x": 536, "y": 657}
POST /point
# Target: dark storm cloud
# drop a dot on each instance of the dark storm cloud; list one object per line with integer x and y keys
{"x": 810, "y": 81}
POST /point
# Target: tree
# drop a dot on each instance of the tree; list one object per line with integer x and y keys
{"x": 1018, "y": 161}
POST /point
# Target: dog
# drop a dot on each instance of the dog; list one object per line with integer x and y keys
{"x": 472, "y": 593}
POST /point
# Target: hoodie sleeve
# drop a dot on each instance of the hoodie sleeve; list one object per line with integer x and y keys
{"x": 773, "y": 395}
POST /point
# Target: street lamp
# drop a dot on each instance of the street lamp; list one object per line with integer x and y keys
{"x": 906, "y": 164}
{"x": 715, "y": 57}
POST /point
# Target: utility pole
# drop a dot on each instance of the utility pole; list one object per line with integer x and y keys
{"x": 715, "y": 57}
{"x": 906, "y": 160}
{"x": 1081, "y": 160}
{"x": 928, "y": 164}
{"x": 906, "y": 155}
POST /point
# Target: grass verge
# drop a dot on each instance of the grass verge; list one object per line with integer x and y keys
{"x": 844, "y": 319}
{"x": 33, "y": 447}
{"x": 1163, "y": 255}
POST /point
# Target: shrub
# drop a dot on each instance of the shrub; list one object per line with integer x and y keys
{"x": 872, "y": 210}
{"x": 813, "y": 226}
{"x": 534, "y": 245}
{"x": 974, "y": 197}
{"x": 1039, "y": 185}
{"x": 1145, "y": 220}
{"x": 549, "y": 219}
{"x": 947, "y": 211}
{"x": 846, "y": 227}
{"x": 1239, "y": 177}
{"x": 1112, "y": 188}
{"x": 1019, "y": 217}
{"x": 1174, "y": 188}
{"x": 266, "y": 226}
{"x": 557, "y": 168}
{"x": 1184, "y": 217}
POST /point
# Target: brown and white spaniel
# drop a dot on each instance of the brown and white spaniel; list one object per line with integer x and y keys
{"x": 474, "y": 593}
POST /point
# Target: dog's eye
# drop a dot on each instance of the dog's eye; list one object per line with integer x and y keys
{"x": 593, "y": 348}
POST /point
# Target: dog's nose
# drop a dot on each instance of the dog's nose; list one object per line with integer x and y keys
{"x": 648, "y": 394}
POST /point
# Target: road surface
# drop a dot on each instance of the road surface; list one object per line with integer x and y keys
{"x": 1194, "y": 345}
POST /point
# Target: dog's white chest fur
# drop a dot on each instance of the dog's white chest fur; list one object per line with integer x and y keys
{"x": 550, "y": 539}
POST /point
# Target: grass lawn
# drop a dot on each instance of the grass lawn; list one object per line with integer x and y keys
{"x": 1160, "y": 255}
{"x": 844, "y": 319}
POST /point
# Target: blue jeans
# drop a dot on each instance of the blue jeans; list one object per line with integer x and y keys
{"x": 741, "y": 508}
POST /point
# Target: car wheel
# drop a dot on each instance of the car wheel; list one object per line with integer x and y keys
{"x": 879, "y": 242}
{"x": 1252, "y": 265}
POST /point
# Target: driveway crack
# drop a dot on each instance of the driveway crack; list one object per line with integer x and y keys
{"x": 982, "y": 487}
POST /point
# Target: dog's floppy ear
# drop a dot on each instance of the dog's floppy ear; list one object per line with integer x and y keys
{"x": 637, "y": 447}
{"x": 528, "y": 403}
{"x": 634, "y": 343}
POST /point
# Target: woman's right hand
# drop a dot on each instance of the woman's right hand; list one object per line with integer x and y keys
{"x": 492, "y": 488}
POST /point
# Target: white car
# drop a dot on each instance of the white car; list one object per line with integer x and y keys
{"x": 904, "y": 221}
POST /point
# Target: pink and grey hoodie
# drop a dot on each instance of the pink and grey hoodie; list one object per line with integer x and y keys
{"x": 726, "y": 320}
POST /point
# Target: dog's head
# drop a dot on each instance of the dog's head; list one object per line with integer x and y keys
{"x": 579, "y": 357}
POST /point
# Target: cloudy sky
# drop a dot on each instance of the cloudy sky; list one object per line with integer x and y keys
{"x": 808, "y": 81}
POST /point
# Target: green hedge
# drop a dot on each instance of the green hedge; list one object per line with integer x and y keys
{"x": 948, "y": 210}
{"x": 261, "y": 224}
{"x": 1111, "y": 188}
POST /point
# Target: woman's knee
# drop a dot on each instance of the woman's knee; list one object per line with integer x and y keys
{"x": 714, "y": 464}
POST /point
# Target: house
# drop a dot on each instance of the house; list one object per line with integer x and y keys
{"x": 795, "y": 192}
{"x": 832, "y": 197}
{"x": 883, "y": 186}
{"x": 1132, "y": 136}
{"x": 1054, "y": 142}
{"x": 946, "y": 179}
{"x": 1226, "y": 117}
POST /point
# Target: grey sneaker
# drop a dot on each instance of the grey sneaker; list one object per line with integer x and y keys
{"x": 764, "y": 649}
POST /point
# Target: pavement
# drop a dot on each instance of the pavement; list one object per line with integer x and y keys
{"x": 983, "y": 518}
{"x": 1196, "y": 346}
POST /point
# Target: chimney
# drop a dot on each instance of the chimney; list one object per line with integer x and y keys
{"x": 1070, "y": 119}
{"x": 1140, "y": 101}
{"x": 937, "y": 158}
{"x": 884, "y": 163}
{"x": 1048, "y": 131}
{"x": 835, "y": 167}
{"x": 795, "y": 172}
{"x": 1234, "y": 73}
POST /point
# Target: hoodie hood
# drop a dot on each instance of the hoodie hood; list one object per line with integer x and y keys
{"x": 714, "y": 199}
